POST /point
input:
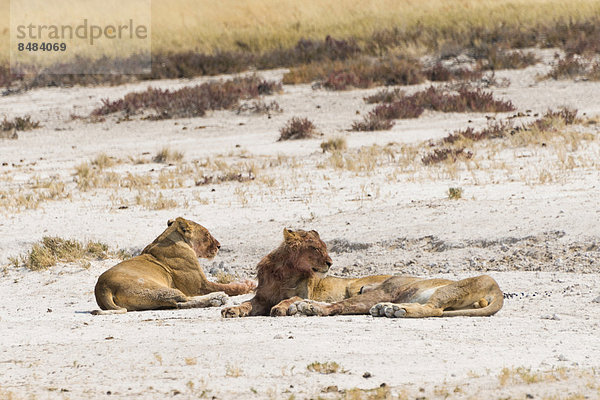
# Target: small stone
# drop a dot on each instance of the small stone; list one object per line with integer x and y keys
{"x": 553, "y": 317}
{"x": 330, "y": 389}
{"x": 596, "y": 300}
{"x": 562, "y": 358}
{"x": 367, "y": 375}
{"x": 278, "y": 336}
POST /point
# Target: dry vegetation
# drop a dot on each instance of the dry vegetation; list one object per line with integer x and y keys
{"x": 575, "y": 67}
{"x": 329, "y": 367}
{"x": 435, "y": 99}
{"x": 291, "y": 34}
{"x": 189, "y": 101}
{"x": 52, "y": 250}
{"x": 298, "y": 128}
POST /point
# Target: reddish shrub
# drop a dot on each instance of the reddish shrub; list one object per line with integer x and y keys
{"x": 298, "y": 128}
{"x": 189, "y": 101}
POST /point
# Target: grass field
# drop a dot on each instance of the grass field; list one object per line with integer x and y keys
{"x": 262, "y": 25}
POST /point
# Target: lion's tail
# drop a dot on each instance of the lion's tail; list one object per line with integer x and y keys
{"x": 495, "y": 302}
{"x": 104, "y": 298}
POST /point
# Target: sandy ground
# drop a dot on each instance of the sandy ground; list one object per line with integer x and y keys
{"x": 525, "y": 218}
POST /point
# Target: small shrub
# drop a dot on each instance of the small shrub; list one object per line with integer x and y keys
{"x": 569, "y": 67}
{"x": 492, "y": 131}
{"x": 373, "y": 122}
{"x": 444, "y": 154}
{"x": 404, "y": 108}
{"x": 385, "y": 96}
{"x": 334, "y": 144}
{"x": 465, "y": 100}
{"x": 440, "y": 73}
{"x": 298, "y": 128}
{"x": 259, "y": 107}
{"x": 503, "y": 59}
{"x": 455, "y": 193}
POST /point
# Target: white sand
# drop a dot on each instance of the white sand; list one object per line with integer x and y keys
{"x": 538, "y": 240}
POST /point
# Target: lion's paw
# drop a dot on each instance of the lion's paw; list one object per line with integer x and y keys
{"x": 232, "y": 312}
{"x": 278, "y": 311}
{"x": 306, "y": 307}
{"x": 389, "y": 310}
{"x": 217, "y": 299}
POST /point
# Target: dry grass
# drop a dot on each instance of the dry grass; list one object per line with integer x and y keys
{"x": 53, "y": 250}
{"x": 19, "y": 124}
{"x": 329, "y": 367}
{"x": 538, "y": 132}
{"x": 527, "y": 376}
{"x": 233, "y": 371}
{"x": 381, "y": 393}
{"x": 283, "y": 24}
{"x": 35, "y": 192}
{"x": 334, "y": 144}
{"x": 168, "y": 156}
{"x": 191, "y": 38}
{"x": 151, "y": 201}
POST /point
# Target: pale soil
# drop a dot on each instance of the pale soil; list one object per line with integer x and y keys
{"x": 539, "y": 237}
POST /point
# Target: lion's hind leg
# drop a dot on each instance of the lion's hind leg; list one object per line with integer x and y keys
{"x": 215, "y": 299}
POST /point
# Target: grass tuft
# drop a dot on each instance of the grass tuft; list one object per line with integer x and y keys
{"x": 329, "y": 367}
{"x": 166, "y": 156}
{"x": 334, "y": 144}
{"x": 52, "y": 250}
{"x": 18, "y": 124}
{"x": 455, "y": 193}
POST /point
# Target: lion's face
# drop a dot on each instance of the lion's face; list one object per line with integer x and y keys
{"x": 310, "y": 251}
{"x": 198, "y": 237}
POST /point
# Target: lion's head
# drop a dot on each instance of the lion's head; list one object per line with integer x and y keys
{"x": 195, "y": 235}
{"x": 301, "y": 254}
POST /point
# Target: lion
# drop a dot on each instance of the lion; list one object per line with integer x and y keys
{"x": 413, "y": 297}
{"x": 166, "y": 275}
{"x": 295, "y": 271}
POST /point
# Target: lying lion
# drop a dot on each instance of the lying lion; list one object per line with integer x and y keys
{"x": 166, "y": 275}
{"x": 412, "y": 297}
{"x": 295, "y": 271}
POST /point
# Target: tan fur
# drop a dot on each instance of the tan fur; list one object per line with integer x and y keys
{"x": 295, "y": 271}
{"x": 412, "y": 297}
{"x": 166, "y": 275}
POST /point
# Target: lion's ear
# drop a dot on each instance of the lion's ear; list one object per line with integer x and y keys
{"x": 316, "y": 233}
{"x": 288, "y": 234}
{"x": 184, "y": 225}
{"x": 170, "y": 222}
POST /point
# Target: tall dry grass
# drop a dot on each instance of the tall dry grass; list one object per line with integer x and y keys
{"x": 259, "y": 25}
